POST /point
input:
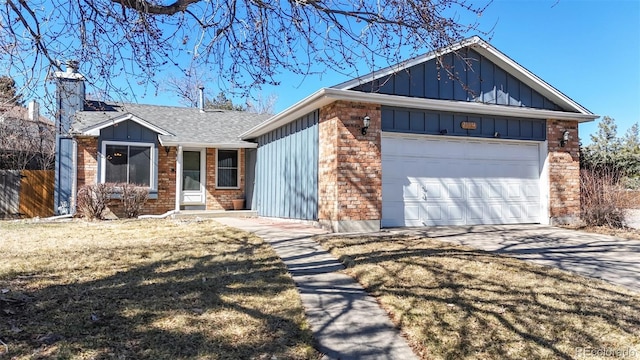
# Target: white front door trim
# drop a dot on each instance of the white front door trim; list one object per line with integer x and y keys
{"x": 194, "y": 197}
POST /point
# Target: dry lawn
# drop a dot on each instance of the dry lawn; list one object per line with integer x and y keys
{"x": 145, "y": 289}
{"x": 454, "y": 302}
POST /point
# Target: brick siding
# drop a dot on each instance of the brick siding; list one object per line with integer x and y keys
{"x": 564, "y": 172}
{"x": 216, "y": 199}
{"x": 350, "y": 167}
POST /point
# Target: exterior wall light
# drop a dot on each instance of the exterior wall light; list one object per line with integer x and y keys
{"x": 167, "y": 149}
{"x": 565, "y": 138}
{"x": 366, "y": 121}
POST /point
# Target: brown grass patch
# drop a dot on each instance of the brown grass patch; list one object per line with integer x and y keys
{"x": 454, "y": 302}
{"x": 152, "y": 289}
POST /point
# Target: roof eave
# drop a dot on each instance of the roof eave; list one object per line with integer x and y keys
{"x": 94, "y": 130}
{"x": 326, "y": 96}
{"x": 220, "y": 145}
{"x": 312, "y": 102}
{"x": 487, "y": 50}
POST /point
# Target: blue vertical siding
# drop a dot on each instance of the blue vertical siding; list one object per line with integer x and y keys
{"x": 467, "y": 77}
{"x": 64, "y": 175}
{"x": 129, "y": 131}
{"x": 433, "y": 123}
{"x": 287, "y": 171}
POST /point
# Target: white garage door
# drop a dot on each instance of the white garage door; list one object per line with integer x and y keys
{"x": 448, "y": 181}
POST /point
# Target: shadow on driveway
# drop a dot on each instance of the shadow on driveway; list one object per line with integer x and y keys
{"x": 599, "y": 256}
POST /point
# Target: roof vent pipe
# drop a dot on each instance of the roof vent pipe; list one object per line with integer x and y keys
{"x": 201, "y": 98}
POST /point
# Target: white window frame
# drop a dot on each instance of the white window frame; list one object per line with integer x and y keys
{"x": 153, "y": 184}
{"x": 238, "y": 170}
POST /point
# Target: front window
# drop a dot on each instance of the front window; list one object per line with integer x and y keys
{"x": 227, "y": 176}
{"x": 128, "y": 163}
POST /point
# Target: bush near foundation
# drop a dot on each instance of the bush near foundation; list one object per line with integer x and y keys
{"x": 93, "y": 200}
{"x": 133, "y": 199}
{"x": 603, "y": 198}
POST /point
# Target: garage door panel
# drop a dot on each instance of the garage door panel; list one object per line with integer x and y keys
{"x": 459, "y": 181}
{"x": 455, "y": 190}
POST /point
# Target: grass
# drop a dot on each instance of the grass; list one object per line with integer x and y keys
{"x": 145, "y": 289}
{"x": 454, "y": 302}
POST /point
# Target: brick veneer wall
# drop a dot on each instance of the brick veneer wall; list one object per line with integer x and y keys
{"x": 350, "y": 165}
{"x": 564, "y": 172}
{"x": 87, "y": 148}
{"x": 220, "y": 199}
{"x": 217, "y": 199}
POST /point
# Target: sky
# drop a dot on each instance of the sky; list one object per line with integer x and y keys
{"x": 587, "y": 49}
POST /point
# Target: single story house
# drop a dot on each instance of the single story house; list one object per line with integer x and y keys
{"x": 460, "y": 136}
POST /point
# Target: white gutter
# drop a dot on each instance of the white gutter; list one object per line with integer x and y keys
{"x": 485, "y": 49}
{"x": 326, "y": 96}
{"x": 74, "y": 174}
{"x": 242, "y": 145}
{"x": 178, "y": 177}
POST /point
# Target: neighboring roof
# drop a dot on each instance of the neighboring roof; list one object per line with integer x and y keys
{"x": 22, "y": 113}
{"x": 19, "y": 132}
{"x": 175, "y": 125}
{"x": 325, "y": 96}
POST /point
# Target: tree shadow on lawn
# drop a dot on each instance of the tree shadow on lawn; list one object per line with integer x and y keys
{"x": 234, "y": 305}
{"x": 456, "y": 302}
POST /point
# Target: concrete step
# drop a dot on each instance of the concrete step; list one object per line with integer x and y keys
{"x": 190, "y": 214}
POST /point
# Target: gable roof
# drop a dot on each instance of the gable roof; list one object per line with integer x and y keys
{"x": 343, "y": 91}
{"x": 174, "y": 125}
{"x": 491, "y": 53}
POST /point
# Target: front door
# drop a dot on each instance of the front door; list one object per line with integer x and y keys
{"x": 193, "y": 177}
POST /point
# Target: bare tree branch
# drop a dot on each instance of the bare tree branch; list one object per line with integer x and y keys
{"x": 124, "y": 44}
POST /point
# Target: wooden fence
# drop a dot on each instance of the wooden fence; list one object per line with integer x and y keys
{"x": 26, "y": 193}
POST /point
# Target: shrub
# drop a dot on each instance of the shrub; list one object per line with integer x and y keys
{"x": 133, "y": 199}
{"x": 603, "y": 198}
{"x": 93, "y": 200}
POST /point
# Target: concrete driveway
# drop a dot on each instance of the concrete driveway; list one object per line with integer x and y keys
{"x": 600, "y": 256}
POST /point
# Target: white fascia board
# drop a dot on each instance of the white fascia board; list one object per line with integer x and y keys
{"x": 326, "y": 96}
{"x": 521, "y": 73}
{"x": 95, "y": 129}
{"x": 312, "y": 102}
{"x": 390, "y": 70}
{"x": 464, "y": 107}
{"x": 487, "y": 50}
{"x": 246, "y": 145}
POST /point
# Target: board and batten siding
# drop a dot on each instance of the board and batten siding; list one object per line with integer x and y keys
{"x": 467, "y": 76}
{"x": 287, "y": 171}
{"x": 130, "y": 132}
{"x": 435, "y": 123}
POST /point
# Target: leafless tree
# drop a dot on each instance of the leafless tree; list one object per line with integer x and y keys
{"x": 25, "y": 143}
{"x": 245, "y": 44}
{"x": 261, "y": 104}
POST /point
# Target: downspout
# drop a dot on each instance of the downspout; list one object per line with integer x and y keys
{"x": 178, "y": 177}
{"x": 74, "y": 174}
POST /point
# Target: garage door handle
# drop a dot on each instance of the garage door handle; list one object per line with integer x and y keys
{"x": 424, "y": 197}
{"x": 424, "y": 189}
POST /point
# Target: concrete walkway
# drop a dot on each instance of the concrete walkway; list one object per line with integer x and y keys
{"x": 347, "y": 323}
{"x": 599, "y": 256}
